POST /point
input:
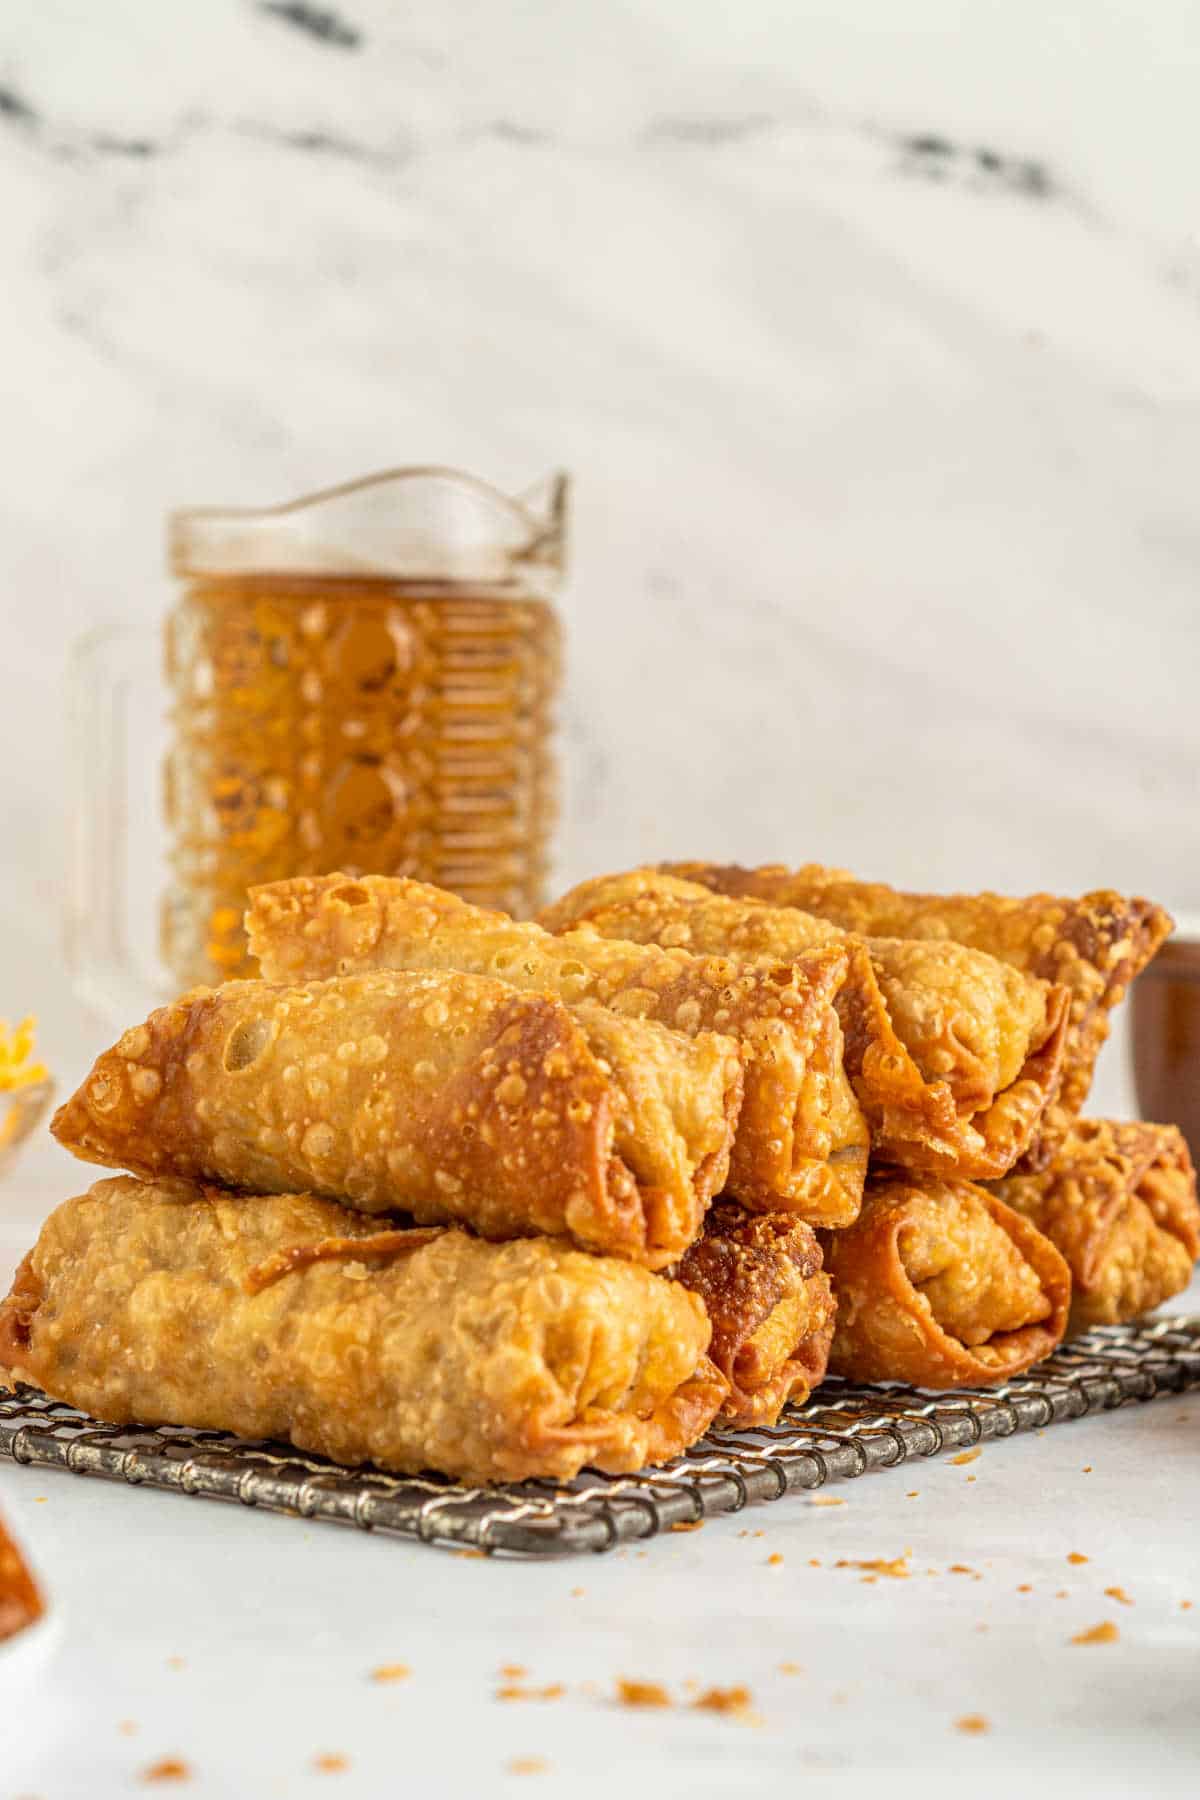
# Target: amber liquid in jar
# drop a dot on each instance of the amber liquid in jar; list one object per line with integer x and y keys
{"x": 368, "y": 724}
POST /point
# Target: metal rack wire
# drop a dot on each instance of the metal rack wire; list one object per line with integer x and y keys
{"x": 847, "y": 1432}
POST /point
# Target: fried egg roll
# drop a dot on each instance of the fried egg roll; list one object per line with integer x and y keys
{"x": 941, "y": 1285}
{"x": 770, "y": 1304}
{"x": 1093, "y": 946}
{"x": 288, "y": 1317}
{"x": 1119, "y": 1201}
{"x": 449, "y": 1097}
{"x": 801, "y": 1141}
{"x": 20, "y": 1601}
{"x": 952, "y": 1054}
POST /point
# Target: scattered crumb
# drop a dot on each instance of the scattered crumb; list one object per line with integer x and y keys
{"x": 827, "y": 1500}
{"x": 1061, "y": 1594}
{"x": 913, "y": 1494}
{"x": 476, "y": 1555}
{"x": 688, "y": 1525}
{"x": 394, "y": 1672}
{"x": 39, "y": 1499}
{"x": 528, "y": 1765}
{"x": 734, "y": 1700}
{"x": 981, "y": 1628}
{"x": 514, "y": 1671}
{"x": 589, "y": 1687}
{"x": 790, "y": 1668}
{"x": 1077, "y": 1556}
{"x": 774, "y": 1559}
{"x": 168, "y": 1768}
{"x": 814, "y": 1562}
{"x": 578, "y": 1593}
{"x": 1185, "y": 1606}
{"x": 758, "y": 1534}
{"x": 331, "y": 1762}
{"x": 839, "y": 1699}
{"x": 1118, "y": 1593}
{"x": 641, "y": 1555}
{"x": 897, "y": 1567}
{"x": 1026, "y": 1587}
{"x": 1106, "y": 1633}
{"x": 641, "y": 1693}
{"x": 965, "y": 1456}
{"x": 972, "y": 1723}
{"x": 176, "y": 1662}
{"x": 127, "y": 1727}
{"x": 964, "y": 1569}
{"x": 972, "y": 1478}
{"x": 1087, "y": 1468}
{"x": 513, "y": 1691}
{"x": 691, "y": 1685}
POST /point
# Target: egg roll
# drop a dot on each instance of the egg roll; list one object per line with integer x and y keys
{"x": 770, "y": 1304}
{"x": 20, "y": 1600}
{"x": 449, "y": 1097}
{"x": 940, "y": 1284}
{"x": 1119, "y": 1201}
{"x": 801, "y": 1141}
{"x": 289, "y": 1317}
{"x": 1093, "y": 946}
{"x": 953, "y": 1055}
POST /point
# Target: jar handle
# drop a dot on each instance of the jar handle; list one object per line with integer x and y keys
{"x": 116, "y": 728}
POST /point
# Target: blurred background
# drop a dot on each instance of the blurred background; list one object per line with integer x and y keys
{"x": 870, "y": 336}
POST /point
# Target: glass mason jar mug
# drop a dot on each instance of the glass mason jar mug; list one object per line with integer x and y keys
{"x": 364, "y": 679}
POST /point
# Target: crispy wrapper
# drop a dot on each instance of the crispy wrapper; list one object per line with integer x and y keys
{"x": 1093, "y": 946}
{"x": 449, "y": 1097}
{"x": 761, "y": 1279}
{"x": 801, "y": 1140}
{"x": 942, "y": 1285}
{"x": 20, "y": 1599}
{"x": 1119, "y": 1201}
{"x": 291, "y": 1318}
{"x": 953, "y": 1055}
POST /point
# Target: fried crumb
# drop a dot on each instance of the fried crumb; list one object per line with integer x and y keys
{"x": 1077, "y": 1556}
{"x": 1118, "y": 1593}
{"x": 774, "y": 1559}
{"x": 391, "y": 1672}
{"x": 972, "y": 1478}
{"x": 527, "y": 1765}
{"x": 965, "y": 1456}
{"x": 1087, "y": 1468}
{"x": 688, "y": 1525}
{"x": 127, "y": 1727}
{"x": 578, "y": 1593}
{"x": 814, "y": 1562}
{"x": 913, "y": 1494}
{"x": 758, "y": 1534}
{"x": 641, "y": 1693}
{"x": 1062, "y": 1594}
{"x": 964, "y": 1569}
{"x": 331, "y": 1762}
{"x": 475, "y": 1555}
{"x": 167, "y": 1768}
{"x": 1105, "y": 1633}
{"x": 39, "y": 1499}
{"x": 827, "y": 1500}
{"x": 790, "y": 1668}
{"x": 512, "y": 1690}
{"x": 1185, "y": 1606}
{"x": 896, "y": 1566}
{"x": 176, "y": 1662}
{"x": 972, "y": 1723}
{"x": 735, "y": 1700}
{"x": 514, "y": 1671}
{"x": 1026, "y": 1587}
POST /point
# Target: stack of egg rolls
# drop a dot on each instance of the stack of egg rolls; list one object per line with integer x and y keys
{"x": 445, "y": 1191}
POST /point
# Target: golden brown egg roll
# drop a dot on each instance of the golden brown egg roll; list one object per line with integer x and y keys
{"x": 941, "y": 1285}
{"x": 450, "y": 1097}
{"x": 1094, "y": 946}
{"x": 20, "y": 1599}
{"x": 952, "y": 1054}
{"x": 1119, "y": 1201}
{"x": 761, "y": 1279}
{"x": 801, "y": 1141}
{"x": 290, "y": 1318}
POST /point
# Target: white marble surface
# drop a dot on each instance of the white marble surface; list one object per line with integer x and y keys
{"x": 871, "y": 336}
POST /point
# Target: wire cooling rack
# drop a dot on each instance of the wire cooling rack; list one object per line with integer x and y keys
{"x": 849, "y": 1431}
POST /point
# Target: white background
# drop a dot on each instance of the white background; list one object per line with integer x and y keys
{"x": 886, "y": 552}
